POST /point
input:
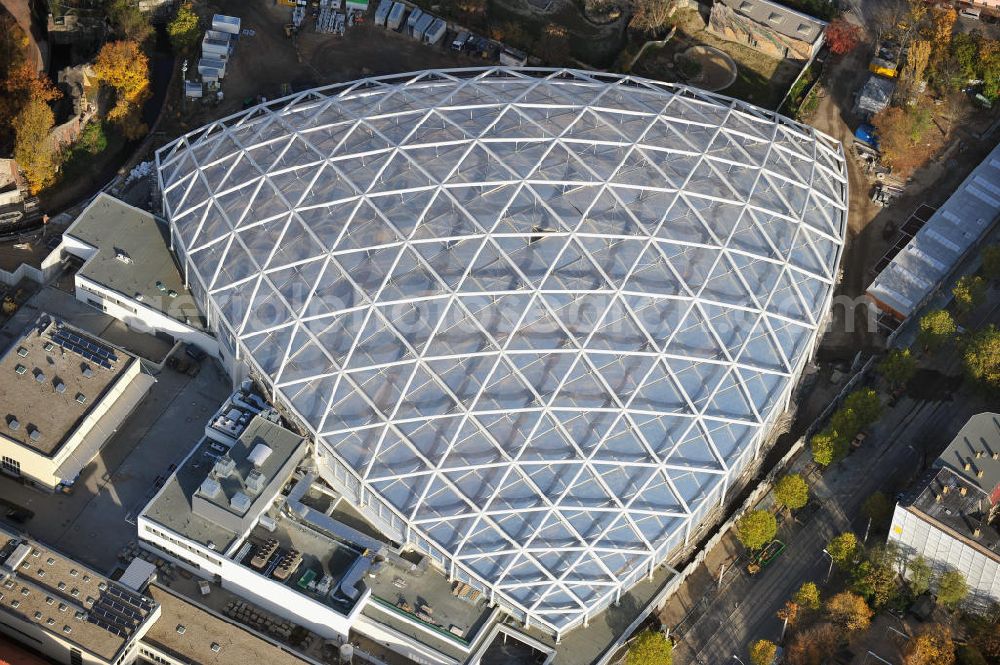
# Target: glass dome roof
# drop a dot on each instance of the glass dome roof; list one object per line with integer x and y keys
{"x": 544, "y": 316}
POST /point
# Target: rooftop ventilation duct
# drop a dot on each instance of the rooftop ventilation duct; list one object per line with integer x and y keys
{"x": 210, "y": 488}
{"x": 224, "y": 466}
{"x": 259, "y": 455}
{"x": 255, "y": 482}
{"x": 240, "y": 502}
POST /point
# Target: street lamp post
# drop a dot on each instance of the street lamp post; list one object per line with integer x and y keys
{"x": 184, "y": 78}
{"x": 829, "y": 570}
{"x": 737, "y": 659}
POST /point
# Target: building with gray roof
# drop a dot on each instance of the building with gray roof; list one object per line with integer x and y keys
{"x": 950, "y": 518}
{"x": 768, "y": 27}
{"x": 954, "y": 230}
{"x": 65, "y": 610}
{"x": 129, "y": 272}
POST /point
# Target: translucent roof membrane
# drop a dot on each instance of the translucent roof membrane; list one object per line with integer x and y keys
{"x": 542, "y": 314}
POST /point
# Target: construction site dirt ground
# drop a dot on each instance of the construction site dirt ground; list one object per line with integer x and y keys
{"x": 931, "y": 184}
{"x": 262, "y": 63}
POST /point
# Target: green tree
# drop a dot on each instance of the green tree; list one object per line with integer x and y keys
{"x": 808, "y": 596}
{"x": 183, "y": 29}
{"x": 968, "y": 292}
{"x": 991, "y": 261}
{"x": 865, "y": 404}
{"x": 756, "y": 529}
{"x": 952, "y": 589}
{"x": 936, "y": 328}
{"x": 920, "y": 575}
{"x": 128, "y": 20}
{"x": 791, "y": 492}
{"x": 763, "y": 652}
{"x": 898, "y": 367}
{"x": 849, "y": 611}
{"x": 843, "y": 549}
{"x": 877, "y": 508}
{"x": 982, "y": 357}
{"x": 827, "y": 447}
{"x": 875, "y": 578}
{"x": 650, "y": 647}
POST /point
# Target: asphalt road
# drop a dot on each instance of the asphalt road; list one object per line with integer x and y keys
{"x": 745, "y": 608}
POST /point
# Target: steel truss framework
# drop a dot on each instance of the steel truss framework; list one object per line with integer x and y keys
{"x": 542, "y": 314}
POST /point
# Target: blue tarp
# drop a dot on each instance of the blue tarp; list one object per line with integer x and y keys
{"x": 866, "y": 133}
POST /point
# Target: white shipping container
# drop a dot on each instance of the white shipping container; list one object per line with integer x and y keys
{"x": 212, "y": 66}
{"x": 435, "y": 33}
{"x": 382, "y": 13}
{"x": 412, "y": 21}
{"x": 396, "y": 16}
{"x": 223, "y": 23}
{"x": 214, "y": 48}
{"x": 193, "y": 89}
{"x": 421, "y": 26}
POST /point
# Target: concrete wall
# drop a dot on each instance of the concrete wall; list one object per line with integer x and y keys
{"x": 269, "y": 594}
{"x": 139, "y": 316}
{"x": 399, "y": 643}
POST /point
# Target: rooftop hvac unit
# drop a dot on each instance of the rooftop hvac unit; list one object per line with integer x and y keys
{"x": 255, "y": 482}
{"x": 224, "y": 466}
{"x": 268, "y": 523}
{"x": 86, "y": 371}
{"x": 59, "y": 386}
{"x": 34, "y": 434}
{"x": 210, "y": 488}
{"x": 13, "y": 423}
{"x": 240, "y": 502}
{"x": 259, "y": 455}
{"x": 122, "y": 256}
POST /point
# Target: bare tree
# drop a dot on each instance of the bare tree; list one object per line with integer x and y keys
{"x": 651, "y": 16}
{"x": 886, "y": 18}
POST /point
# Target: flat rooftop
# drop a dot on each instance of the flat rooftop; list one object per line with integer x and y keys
{"x": 965, "y": 516}
{"x": 148, "y": 272}
{"x": 42, "y": 375}
{"x": 403, "y": 593}
{"x": 174, "y": 507}
{"x": 321, "y": 556}
{"x": 203, "y": 628}
{"x": 68, "y": 599}
{"x": 946, "y": 237}
{"x": 263, "y": 448}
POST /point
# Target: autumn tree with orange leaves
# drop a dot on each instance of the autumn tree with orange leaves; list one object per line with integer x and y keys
{"x": 123, "y": 67}
{"x": 28, "y": 94}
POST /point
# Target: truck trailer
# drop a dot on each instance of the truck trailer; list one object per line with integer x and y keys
{"x": 396, "y": 16}
{"x": 382, "y": 13}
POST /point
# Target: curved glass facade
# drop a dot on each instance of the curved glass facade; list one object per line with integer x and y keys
{"x": 539, "y": 318}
